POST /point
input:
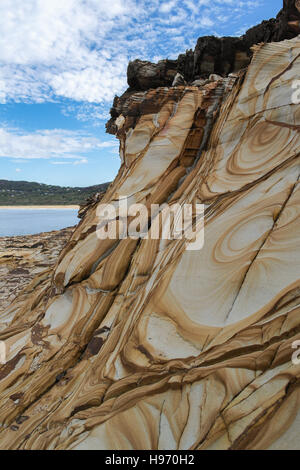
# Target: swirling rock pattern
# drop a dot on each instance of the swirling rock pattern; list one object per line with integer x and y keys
{"x": 141, "y": 344}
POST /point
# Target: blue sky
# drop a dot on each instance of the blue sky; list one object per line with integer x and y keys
{"x": 62, "y": 62}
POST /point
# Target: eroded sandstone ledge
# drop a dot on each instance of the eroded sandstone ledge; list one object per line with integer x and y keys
{"x": 144, "y": 345}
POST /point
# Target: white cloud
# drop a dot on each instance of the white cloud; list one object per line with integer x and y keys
{"x": 206, "y": 22}
{"x": 167, "y": 7}
{"x": 60, "y": 47}
{"x": 18, "y": 170}
{"x": 79, "y": 49}
{"x": 50, "y": 144}
{"x": 82, "y": 161}
{"x": 94, "y": 114}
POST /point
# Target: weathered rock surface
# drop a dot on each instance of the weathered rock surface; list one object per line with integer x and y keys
{"x": 23, "y": 258}
{"x": 141, "y": 344}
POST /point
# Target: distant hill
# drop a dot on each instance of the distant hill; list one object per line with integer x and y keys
{"x": 16, "y": 193}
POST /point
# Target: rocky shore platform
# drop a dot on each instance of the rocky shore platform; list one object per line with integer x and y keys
{"x": 24, "y": 257}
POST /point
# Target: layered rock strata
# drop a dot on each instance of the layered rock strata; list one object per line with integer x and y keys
{"x": 142, "y": 344}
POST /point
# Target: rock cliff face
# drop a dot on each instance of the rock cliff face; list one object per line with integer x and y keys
{"x": 142, "y": 344}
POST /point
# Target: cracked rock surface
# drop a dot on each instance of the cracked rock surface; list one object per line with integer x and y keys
{"x": 142, "y": 344}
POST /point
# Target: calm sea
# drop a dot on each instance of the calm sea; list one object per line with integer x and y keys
{"x": 31, "y": 221}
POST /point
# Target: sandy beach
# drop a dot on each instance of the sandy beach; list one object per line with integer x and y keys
{"x": 40, "y": 207}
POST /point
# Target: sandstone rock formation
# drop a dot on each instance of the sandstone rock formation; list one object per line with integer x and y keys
{"x": 22, "y": 258}
{"x": 142, "y": 344}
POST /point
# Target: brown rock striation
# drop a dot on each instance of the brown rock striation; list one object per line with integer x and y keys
{"x": 142, "y": 344}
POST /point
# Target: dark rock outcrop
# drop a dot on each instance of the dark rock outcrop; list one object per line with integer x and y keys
{"x": 212, "y": 55}
{"x": 142, "y": 73}
{"x": 216, "y": 55}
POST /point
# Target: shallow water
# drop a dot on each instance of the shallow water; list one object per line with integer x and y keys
{"x": 31, "y": 221}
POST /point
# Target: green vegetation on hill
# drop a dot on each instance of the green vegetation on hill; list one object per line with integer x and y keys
{"x": 23, "y": 193}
